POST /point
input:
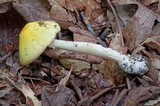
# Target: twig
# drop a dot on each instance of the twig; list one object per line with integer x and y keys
{"x": 64, "y": 80}
{"x": 121, "y": 95}
{"x": 90, "y": 29}
{"x": 5, "y": 57}
{"x": 147, "y": 78}
{"x": 88, "y": 25}
{"x": 36, "y": 79}
{"x": 115, "y": 97}
{"x": 89, "y": 100}
{"x": 77, "y": 89}
{"x": 12, "y": 82}
{"x": 104, "y": 91}
{"x": 128, "y": 83}
{"x": 117, "y": 20}
{"x": 26, "y": 90}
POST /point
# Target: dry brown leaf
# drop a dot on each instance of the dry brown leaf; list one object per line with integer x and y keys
{"x": 125, "y": 12}
{"x": 98, "y": 81}
{"x": 122, "y": 2}
{"x": 31, "y": 99}
{"x": 5, "y": 6}
{"x": 76, "y": 65}
{"x": 30, "y": 13}
{"x": 153, "y": 102}
{"x": 13, "y": 63}
{"x": 148, "y": 2}
{"x": 82, "y": 35}
{"x": 64, "y": 80}
{"x": 129, "y": 102}
{"x": 153, "y": 42}
{"x": 5, "y": 91}
{"x": 11, "y": 24}
{"x": 156, "y": 31}
{"x": 63, "y": 97}
{"x": 5, "y": 1}
{"x": 139, "y": 27}
{"x": 66, "y": 12}
{"x": 158, "y": 7}
{"x": 24, "y": 88}
{"x": 116, "y": 44}
{"x": 61, "y": 15}
{"x": 110, "y": 70}
{"x": 142, "y": 94}
{"x": 59, "y": 53}
{"x": 8, "y": 95}
{"x": 155, "y": 59}
{"x": 87, "y": 6}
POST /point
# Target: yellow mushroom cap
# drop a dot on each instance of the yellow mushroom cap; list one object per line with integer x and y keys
{"x": 34, "y": 38}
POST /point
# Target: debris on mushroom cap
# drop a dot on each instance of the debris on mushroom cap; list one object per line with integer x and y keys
{"x": 34, "y": 38}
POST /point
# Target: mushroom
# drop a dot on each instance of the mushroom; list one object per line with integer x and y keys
{"x": 36, "y": 36}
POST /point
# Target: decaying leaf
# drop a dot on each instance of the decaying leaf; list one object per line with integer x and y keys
{"x": 155, "y": 59}
{"x": 82, "y": 35}
{"x": 110, "y": 70}
{"x": 66, "y": 12}
{"x": 13, "y": 63}
{"x": 153, "y": 42}
{"x": 63, "y": 97}
{"x": 139, "y": 27}
{"x": 116, "y": 44}
{"x": 5, "y": 92}
{"x": 59, "y": 14}
{"x": 11, "y": 24}
{"x": 156, "y": 31}
{"x": 59, "y": 54}
{"x": 152, "y": 102}
{"x": 31, "y": 99}
{"x": 125, "y": 12}
{"x": 148, "y": 2}
{"x": 65, "y": 79}
{"x": 31, "y": 14}
{"x": 122, "y": 2}
{"x": 76, "y": 65}
{"x": 5, "y": 6}
{"x": 142, "y": 94}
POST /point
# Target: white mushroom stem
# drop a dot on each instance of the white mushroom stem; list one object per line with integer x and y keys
{"x": 133, "y": 65}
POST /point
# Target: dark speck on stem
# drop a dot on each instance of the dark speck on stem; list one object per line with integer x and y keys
{"x": 55, "y": 26}
{"x": 75, "y": 45}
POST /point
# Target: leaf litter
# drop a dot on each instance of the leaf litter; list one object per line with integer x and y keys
{"x": 64, "y": 78}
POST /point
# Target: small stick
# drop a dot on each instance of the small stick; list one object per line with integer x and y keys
{"x": 128, "y": 83}
{"x": 91, "y": 99}
{"x": 121, "y": 95}
{"x": 117, "y": 20}
{"x": 77, "y": 89}
{"x": 88, "y": 25}
{"x": 115, "y": 97}
{"x": 5, "y": 57}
